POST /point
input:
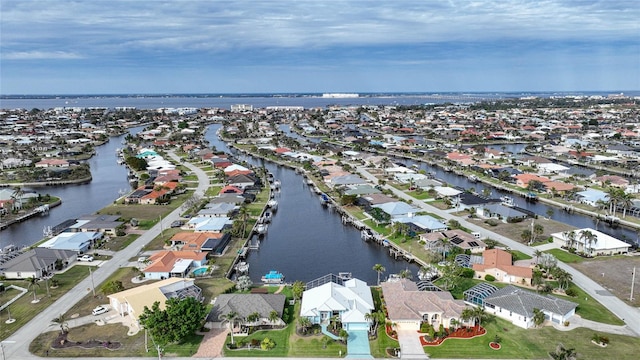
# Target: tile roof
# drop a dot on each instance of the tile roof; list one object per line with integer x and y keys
{"x": 405, "y": 302}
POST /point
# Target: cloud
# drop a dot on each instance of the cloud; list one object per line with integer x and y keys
{"x": 41, "y": 55}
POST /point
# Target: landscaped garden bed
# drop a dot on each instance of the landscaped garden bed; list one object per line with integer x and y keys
{"x": 461, "y": 333}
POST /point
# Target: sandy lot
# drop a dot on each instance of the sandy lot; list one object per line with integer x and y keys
{"x": 513, "y": 231}
{"x": 614, "y": 274}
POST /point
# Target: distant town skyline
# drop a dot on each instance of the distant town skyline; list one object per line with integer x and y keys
{"x": 151, "y": 47}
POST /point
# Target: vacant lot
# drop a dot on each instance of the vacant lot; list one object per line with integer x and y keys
{"x": 614, "y": 274}
{"x": 513, "y": 231}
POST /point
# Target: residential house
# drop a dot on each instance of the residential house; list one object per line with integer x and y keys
{"x": 242, "y": 181}
{"x": 523, "y": 180}
{"x": 209, "y": 224}
{"x": 592, "y": 197}
{"x": 168, "y": 263}
{"x": 408, "y": 308}
{"x": 517, "y": 305}
{"x": 422, "y": 223}
{"x": 499, "y": 264}
{"x": 600, "y": 244}
{"x": 37, "y": 262}
{"x": 369, "y": 200}
{"x": 79, "y": 242}
{"x": 218, "y": 210}
{"x": 501, "y": 212}
{"x": 350, "y": 300}
{"x": 96, "y": 223}
{"x": 455, "y": 237}
{"x": 214, "y": 243}
{"x": 397, "y": 209}
{"x": 47, "y": 163}
{"x": 245, "y": 305}
{"x": 131, "y": 302}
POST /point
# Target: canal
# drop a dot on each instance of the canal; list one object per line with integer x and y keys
{"x": 306, "y": 240}
{"x": 109, "y": 179}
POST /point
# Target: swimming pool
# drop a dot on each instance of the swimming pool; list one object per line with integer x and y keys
{"x": 200, "y": 271}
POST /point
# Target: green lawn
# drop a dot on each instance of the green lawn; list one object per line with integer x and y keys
{"x": 519, "y": 255}
{"x": 23, "y": 310}
{"x": 591, "y": 309}
{"x": 564, "y": 256}
{"x": 518, "y": 343}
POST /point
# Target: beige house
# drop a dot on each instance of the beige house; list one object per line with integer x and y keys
{"x": 132, "y": 301}
{"x": 408, "y": 307}
{"x": 499, "y": 264}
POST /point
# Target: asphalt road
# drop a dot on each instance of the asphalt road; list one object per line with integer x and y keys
{"x": 17, "y": 345}
{"x": 629, "y": 314}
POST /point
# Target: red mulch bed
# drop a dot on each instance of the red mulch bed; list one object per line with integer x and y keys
{"x": 461, "y": 333}
{"x": 494, "y": 345}
{"x": 391, "y": 333}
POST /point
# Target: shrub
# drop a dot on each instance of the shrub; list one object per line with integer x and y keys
{"x": 467, "y": 273}
{"x": 489, "y": 277}
{"x": 571, "y": 292}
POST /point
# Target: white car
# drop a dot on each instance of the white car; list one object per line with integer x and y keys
{"x": 85, "y": 257}
{"x": 99, "y": 310}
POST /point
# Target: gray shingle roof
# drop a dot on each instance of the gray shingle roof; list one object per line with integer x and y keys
{"x": 523, "y": 302}
{"x": 246, "y": 304}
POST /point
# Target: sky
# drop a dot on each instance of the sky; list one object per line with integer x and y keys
{"x": 275, "y": 46}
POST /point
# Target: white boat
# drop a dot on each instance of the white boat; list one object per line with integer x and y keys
{"x": 262, "y": 228}
{"x": 273, "y": 204}
{"x": 242, "y": 267}
{"x": 473, "y": 178}
{"x": 507, "y": 201}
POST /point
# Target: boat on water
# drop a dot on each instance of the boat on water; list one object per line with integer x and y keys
{"x": 242, "y": 267}
{"x": 507, "y": 201}
{"x": 273, "y": 204}
{"x": 324, "y": 199}
{"x": 473, "y": 178}
{"x": 262, "y": 228}
{"x": 273, "y": 277}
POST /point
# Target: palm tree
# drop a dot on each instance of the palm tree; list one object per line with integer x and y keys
{"x": 243, "y": 216}
{"x": 466, "y": 314}
{"x": 479, "y": 314}
{"x": 304, "y": 323}
{"x": 537, "y": 254}
{"x": 385, "y": 163}
{"x": 538, "y": 317}
{"x": 563, "y": 278}
{"x": 273, "y": 316}
{"x": 626, "y": 200}
{"x": 406, "y": 274}
{"x": 588, "y": 238}
{"x": 563, "y": 353}
{"x": 253, "y": 317}
{"x": 379, "y": 269}
{"x": 64, "y": 326}
{"x": 33, "y": 284}
{"x": 231, "y": 317}
{"x": 613, "y": 196}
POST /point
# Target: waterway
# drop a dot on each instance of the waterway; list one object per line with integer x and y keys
{"x": 108, "y": 180}
{"x": 306, "y": 240}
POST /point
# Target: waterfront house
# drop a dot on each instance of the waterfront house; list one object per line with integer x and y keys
{"x": 246, "y": 305}
{"x": 408, "y": 307}
{"x": 369, "y": 200}
{"x": 79, "y": 242}
{"x": 517, "y": 305}
{"x": 212, "y": 242}
{"x": 421, "y": 223}
{"x": 37, "y": 262}
{"x": 362, "y": 189}
{"x": 230, "y": 189}
{"x": 346, "y": 180}
{"x": 592, "y": 197}
{"x": 218, "y": 210}
{"x": 611, "y": 180}
{"x": 349, "y": 300}
{"x": 131, "y": 302}
{"x": 169, "y": 263}
{"x": 558, "y": 187}
{"x": 242, "y": 181}
{"x": 397, "y": 209}
{"x": 209, "y": 224}
{"x": 523, "y": 180}
{"x": 455, "y": 237}
{"x": 47, "y": 163}
{"x": 499, "y": 264}
{"x": 601, "y": 244}
{"x": 230, "y": 198}
{"x": 96, "y": 223}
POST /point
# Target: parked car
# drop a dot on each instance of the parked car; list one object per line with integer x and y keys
{"x": 99, "y": 310}
{"x": 86, "y": 257}
{"x": 177, "y": 223}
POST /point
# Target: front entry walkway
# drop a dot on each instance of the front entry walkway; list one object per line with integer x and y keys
{"x": 410, "y": 346}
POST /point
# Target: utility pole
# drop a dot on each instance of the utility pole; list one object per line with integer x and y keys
{"x": 93, "y": 288}
{"x": 633, "y": 280}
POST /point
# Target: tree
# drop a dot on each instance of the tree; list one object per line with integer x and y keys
{"x": 537, "y": 253}
{"x": 33, "y": 284}
{"x": 243, "y": 216}
{"x": 253, "y": 317}
{"x": 304, "y": 323}
{"x": 406, "y": 274}
{"x": 62, "y": 322}
{"x": 588, "y": 239}
{"x": 379, "y": 269}
{"x": 230, "y": 318}
{"x": 526, "y": 235}
{"x": 273, "y": 316}
{"x": 297, "y": 288}
{"x": 180, "y": 319}
{"x": 343, "y": 335}
{"x": 112, "y": 287}
{"x": 563, "y": 278}
{"x": 626, "y": 200}
{"x": 244, "y": 283}
{"x": 538, "y": 317}
{"x": 537, "y": 231}
{"x": 562, "y": 353}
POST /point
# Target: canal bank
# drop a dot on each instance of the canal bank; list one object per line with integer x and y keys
{"x": 306, "y": 240}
